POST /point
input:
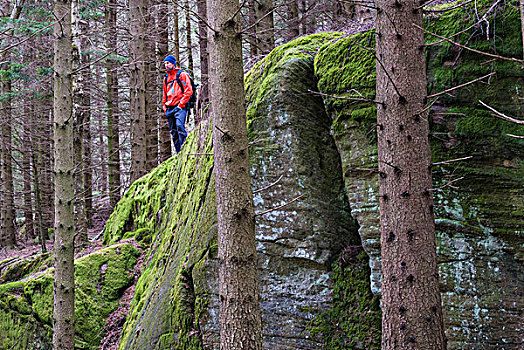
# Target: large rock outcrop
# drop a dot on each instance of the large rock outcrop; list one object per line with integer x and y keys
{"x": 313, "y": 163}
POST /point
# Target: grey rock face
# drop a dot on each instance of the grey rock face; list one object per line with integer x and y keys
{"x": 296, "y": 243}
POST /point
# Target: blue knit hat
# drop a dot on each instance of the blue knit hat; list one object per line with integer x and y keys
{"x": 171, "y": 59}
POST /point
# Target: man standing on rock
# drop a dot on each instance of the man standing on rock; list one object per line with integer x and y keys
{"x": 177, "y": 93}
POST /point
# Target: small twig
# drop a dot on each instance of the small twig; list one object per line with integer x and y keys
{"x": 461, "y": 85}
{"x": 516, "y": 136}
{"x": 29, "y": 37}
{"x": 222, "y": 131}
{"x": 452, "y": 160}
{"x": 360, "y": 99}
{"x": 237, "y": 11}
{"x": 91, "y": 63}
{"x": 200, "y": 154}
{"x": 450, "y": 8}
{"x": 268, "y": 186}
{"x": 470, "y": 49}
{"x": 502, "y": 115}
{"x": 427, "y": 108}
{"x": 279, "y": 207}
{"x": 446, "y": 185}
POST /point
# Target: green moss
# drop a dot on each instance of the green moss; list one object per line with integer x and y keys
{"x": 354, "y": 320}
{"x": 100, "y": 279}
{"x": 140, "y": 205}
{"x": 163, "y": 310}
{"x": 17, "y": 270}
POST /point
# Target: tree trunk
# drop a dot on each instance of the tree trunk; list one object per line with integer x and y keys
{"x": 252, "y": 34}
{"x": 163, "y": 50}
{"x": 41, "y": 228}
{"x": 46, "y": 164}
{"x": 64, "y": 286}
{"x": 151, "y": 98}
{"x": 176, "y": 30}
{"x": 190, "y": 63}
{"x": 266, "y": 26}
{"x": 203, "y": 96}
{"x": 26, "y": 170}
{"x": 411, "y": 304}
{"x": 240, "y": 322}
{"x": 7, "y": 225}
{"x": 79, "y": 111}
{"x": 112, "y": 102}
{"x": 521, "y": 3}
{"x": 137, "y": 84}
{"x": 7, "y": 214}
{"x": 292, "y": 20}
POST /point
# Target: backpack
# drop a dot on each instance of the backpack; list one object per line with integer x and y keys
{"x": 192, "y": 100}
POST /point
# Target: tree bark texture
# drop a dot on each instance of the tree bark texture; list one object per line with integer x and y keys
{"x": 63, "y": 312}
{"x": 152, "y": 97}
{"x": 7, "y": 224}
{"x": 189, "y": 42}
{"x": 176, "y": 30}
{"x": 203, "y": 95}
{"x": 112, "y": 103}
{"x": 411, "y": 304}
{"x": 26, "y": 171}
{"x": 79, "y": 112}
{"x": 293, "y": 20}
{"x": 240, "y": 322}
{"x": 7, "y": 213}
{"x": 163, "y": 50}
{"x": 137, "y": 94}
{"x": 265, "y": 27}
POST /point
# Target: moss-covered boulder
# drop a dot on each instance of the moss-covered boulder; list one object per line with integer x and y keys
{"x": 478, "y": 201}
{"x": 26, "y": 306}
{"x": 302, "y": 227}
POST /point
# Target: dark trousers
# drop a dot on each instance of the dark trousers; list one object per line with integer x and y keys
{"x": 176, "y": 118}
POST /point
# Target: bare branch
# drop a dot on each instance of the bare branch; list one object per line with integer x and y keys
{"x": 502, "y": 115}
{"x": 279, "y": 207}
{"x": 516, "y": 136}
{"x": 446, "y": 185}
{"x": 452, "y": 160}
{"x": 268, "y": 186}
{"x": 511, "y": 59}
{"x": 200, "y": 154}
{"x": 461, "y": 85}
{"x": 450, "y": 8}
{"x": 360, "y": 99}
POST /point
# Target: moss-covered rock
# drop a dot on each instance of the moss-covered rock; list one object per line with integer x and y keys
{"x": 480, "y": 222}
{"x": 26, "y": 307}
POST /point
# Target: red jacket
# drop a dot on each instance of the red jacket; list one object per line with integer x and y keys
{"x": 173, "y": 95}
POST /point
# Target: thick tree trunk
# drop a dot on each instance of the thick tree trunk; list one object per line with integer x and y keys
{"x": 266, "y": 27}
{"x": 203, "y": 96}
{"x": 411, "y": 304}
{"x": 151, "y": 98}
{"x": 137, "y": 94}
{"x": 163, "y": 50}
{"x": 240, "y": 322}
{"x": 112, "y": 103}
{"x": 64, "y": 286}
